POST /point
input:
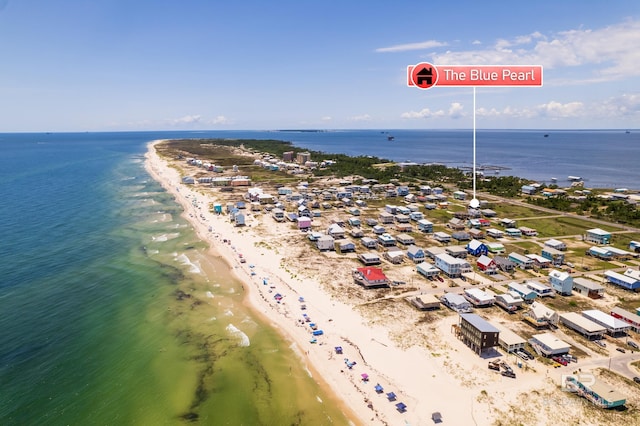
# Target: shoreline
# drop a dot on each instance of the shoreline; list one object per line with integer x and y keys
{"x": 437, "y": 374}
{"x": 254, "y": 298}
{"x": 327, "y": 368}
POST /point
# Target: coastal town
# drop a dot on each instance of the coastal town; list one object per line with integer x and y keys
{"x": 522, "y": 310}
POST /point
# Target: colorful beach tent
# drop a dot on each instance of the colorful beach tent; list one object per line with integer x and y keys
{"x": 391, "y": 396}
{"x": 339, "y": 349}
{"x": 378, "y": 388}
{"x": 365, "y": 377}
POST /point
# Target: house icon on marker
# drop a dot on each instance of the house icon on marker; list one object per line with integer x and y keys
{"x": 425, "y": 77}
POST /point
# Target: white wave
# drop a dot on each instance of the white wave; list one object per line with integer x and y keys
{"x": 153, "y": 251}
{"x": 165, "y": 237}
{"x": 228, "y": 313}
{"x": 193, "y": 268}
{"x": 235, "y": 332}
{"x": 209, "y": 295}
{"x": 213, "y": 319}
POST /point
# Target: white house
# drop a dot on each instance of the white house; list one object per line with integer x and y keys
{"x": 325, "y": 242}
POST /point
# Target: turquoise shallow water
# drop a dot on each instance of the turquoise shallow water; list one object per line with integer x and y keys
{"x": 111, "y": 313}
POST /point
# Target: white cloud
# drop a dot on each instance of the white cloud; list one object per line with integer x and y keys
{"x": 187, "y": 119}
{"x": 326, "y": 118}
{"x": 455, "y": 111}
{"x": 476, "y": 42}
{"x": 363, "y": 117}
{"x": 412, "y": 46}
{"x": 612, "y": 52}
{"x": 220, "y": 119}
{"x": 555, "y": 109}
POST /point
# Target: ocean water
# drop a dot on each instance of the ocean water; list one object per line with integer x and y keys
{"x": 112, "y": 314}
{"x": 603, "y": 159}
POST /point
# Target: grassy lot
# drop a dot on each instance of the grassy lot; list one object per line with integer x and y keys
{"x": 513, "y": 211}
{"x": 522, "y": 247}
{"x": 558, "y": 226}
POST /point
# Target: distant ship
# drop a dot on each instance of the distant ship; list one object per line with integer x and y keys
{"x": 574, "y": 178}
{"x": 390, "y": 138}
{"x": 546, "y": 135}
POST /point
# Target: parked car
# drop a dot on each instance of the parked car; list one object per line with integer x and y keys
{"x": 636, "y": 379}
{"x": 526, "y": 352}
{"x": 633, "y": 344}
{"x": 621, "y": 350}
{"x": 600, "y": 343}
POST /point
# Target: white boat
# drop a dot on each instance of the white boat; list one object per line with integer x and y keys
{"x": 574, "y": 178}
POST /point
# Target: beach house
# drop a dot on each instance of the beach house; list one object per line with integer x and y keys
{"x": 336, "y": 231}
{"x": 369, "y": 242}
{"x": 630, "y": 280}
{"x": 504, "y": 264}
{"x": 425, "y": 226}
{"x": 368, "y": 259}
{"x": 541, "y": 290}
{"x": 304, "y": 223}
{"x": 510, "y": 341}
{"x": 597, "y": 392}
{"x": 394, "y": 255}
{"x": 539, "y": 261}
{"x": 325, "y": 242}
{"x": 630, "y": 318}
{"x": 370, "y": 277}
{"x": 587, "y": 287}
{"x": 598, "y": 236}
{"x": 405, "y": 239}
{"x": 495, "y": 233}
{"x": 476, "y": 248}
{"x": 561, "y": 282}
{"x": 555, "y": 256}
{"x": 479, "y": 298}
{"x": 456, "y": 302}
{"x": 525, "y": 292}
{"x": 461, "y": 236}
{"x": 582, "y": 325}
{"x": 427, "y": 269}
{"x": 386, "y": 240}
{"x": 521, "y": 261}
{"x": 614, "y": 327}
{"x": 513, "y": 232}
{"x": 477, "y": 333}
{"x": 547, "y": 344}
{"x": 442, "y": 237}
{"x": 425, "y": 302}
{"x": 541, "y": 316}
{"x": 487, "y": 265}
{"x": 510, "y": 301}
{"x": 452, "y": 266}
{"x": 416, "y": 254}
{"x": 495, "y": 248}
{"x": 345, "y": 245}
{"x": 556, "y": 244}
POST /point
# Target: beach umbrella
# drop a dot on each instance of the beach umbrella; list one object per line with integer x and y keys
{"x": 391, "y": 396}
{"x": 365, "y": 376}
{"x": 401, "y": 407}
{"x": 378, "y": 388}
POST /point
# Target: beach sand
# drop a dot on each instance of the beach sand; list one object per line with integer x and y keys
{"x": 442, "y": 375}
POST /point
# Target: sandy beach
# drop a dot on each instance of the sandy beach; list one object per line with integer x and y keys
{"x": 443, "y": 376}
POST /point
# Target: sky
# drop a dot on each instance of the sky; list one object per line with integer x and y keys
{"x": 120, "y": 65}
